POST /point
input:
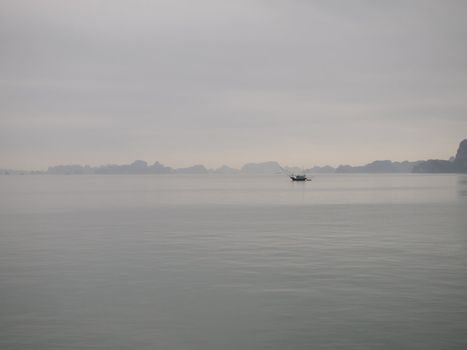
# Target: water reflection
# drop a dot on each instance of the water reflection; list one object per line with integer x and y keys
{"x": 462, "y": 185}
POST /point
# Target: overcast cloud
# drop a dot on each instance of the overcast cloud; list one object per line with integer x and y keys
{"x": 214, "y": 82}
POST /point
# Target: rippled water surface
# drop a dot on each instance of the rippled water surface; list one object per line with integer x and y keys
{"x": 233, "y": 262}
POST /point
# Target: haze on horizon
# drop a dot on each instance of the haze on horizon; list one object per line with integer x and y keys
{"x": 215, "y": 82}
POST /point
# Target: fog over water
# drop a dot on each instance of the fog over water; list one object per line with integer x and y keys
{"x": 230, "y": 82}
{"x": 231, "y": 262}
{"x": 204, "y": 256}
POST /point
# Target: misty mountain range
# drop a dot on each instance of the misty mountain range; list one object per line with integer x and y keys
{"x": 457, "y": 164}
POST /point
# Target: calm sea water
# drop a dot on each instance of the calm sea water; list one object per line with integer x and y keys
{"x": 233, "y": 262}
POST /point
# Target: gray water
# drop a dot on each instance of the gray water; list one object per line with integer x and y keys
{"x": 233, "y": 262}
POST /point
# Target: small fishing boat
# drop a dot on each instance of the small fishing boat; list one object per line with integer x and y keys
{"x": 299, "y": 178}
{"x": 294, "y": 177}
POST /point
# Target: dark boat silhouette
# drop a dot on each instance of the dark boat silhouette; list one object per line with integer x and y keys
{"x": 294, "y": 177}
{"x": 299, "y": 178}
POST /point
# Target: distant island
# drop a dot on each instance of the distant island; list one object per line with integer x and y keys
{"x": 457, "y": 164}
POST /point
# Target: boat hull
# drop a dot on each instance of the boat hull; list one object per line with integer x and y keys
{"x": 299, "y": 178}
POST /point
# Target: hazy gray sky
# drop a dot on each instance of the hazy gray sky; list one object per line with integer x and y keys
{"x": 214, "y": 82}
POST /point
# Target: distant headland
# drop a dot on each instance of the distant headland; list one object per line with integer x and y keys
{"x": 456, "y": 164}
